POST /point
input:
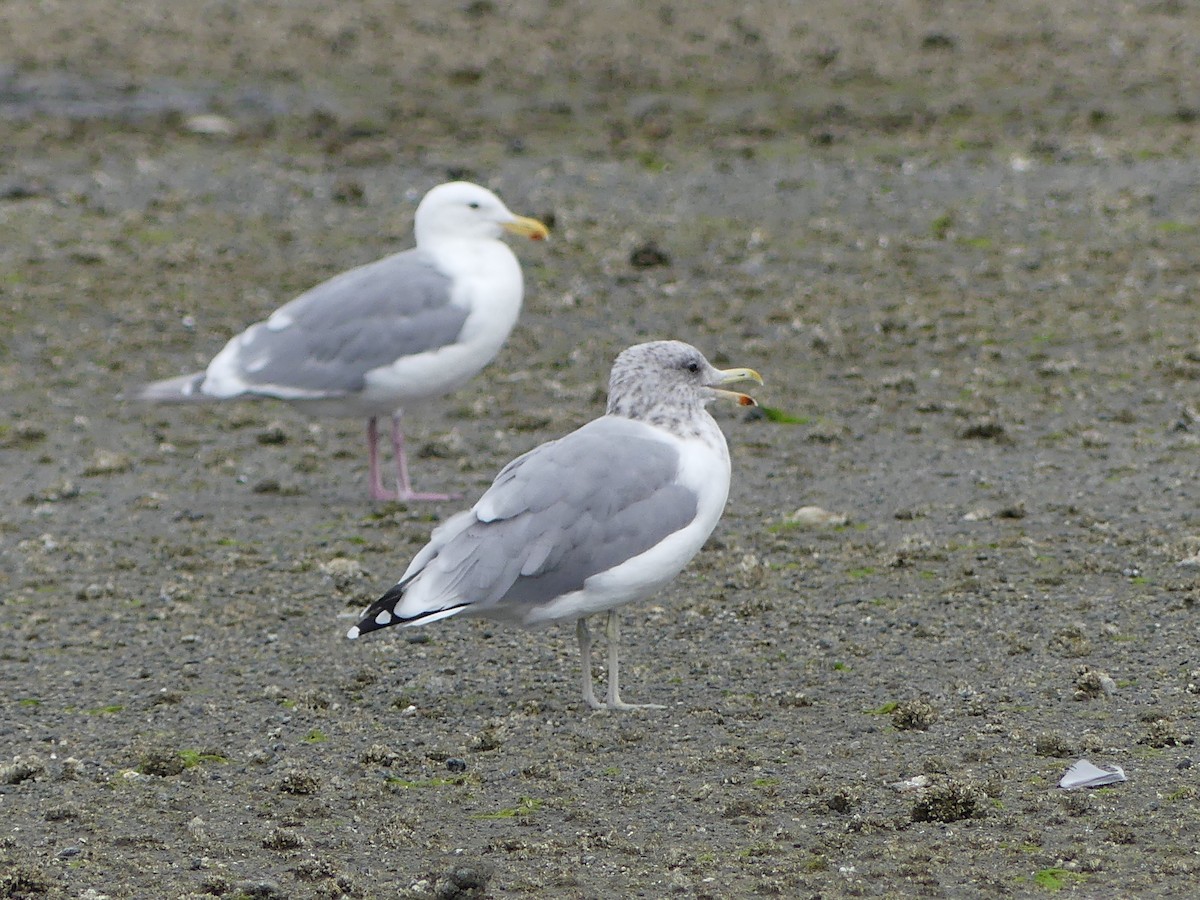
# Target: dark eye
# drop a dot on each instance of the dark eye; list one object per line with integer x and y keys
{"x": 473, "y": 204}
{"x": 693, "y": 367}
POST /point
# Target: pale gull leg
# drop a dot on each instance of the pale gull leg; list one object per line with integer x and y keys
{"x": 378, "y": 491}
{"x": 404, "y": 491}
{"x": 585, "y": 656}
{"x": 613, "y": 700}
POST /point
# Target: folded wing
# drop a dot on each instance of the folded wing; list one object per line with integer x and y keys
{"x": 323, "y": 343}
{"x": 552, "y": 519}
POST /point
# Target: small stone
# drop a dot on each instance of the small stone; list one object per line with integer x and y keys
{"x": 1070, "y": 641}
{"x": 21, "y": 769}
{"x": 283, "y": 839}
{"x": 162, "y": 762}
{"x": 911, "y": 785}
{"x": 107, "y": 462}
{"x": 314, "y": 870}
{"x": 63, "y": 813}
{"x": 64, "y": 490}
{"x": 380, "y": 755}
{"x": 1058, "y": 367}
{"x": 950, "y": 801}
{"x": 343, "y": 572}
{"x": 260, "y": 890}
{"x": 938, "y": 40}
{"x": 984, "y": 429}
{"x": 210, "y": 125}
{"x": 274, "y": 433}
{"x": 815, "y": 517}
{"x": 456, "y": 765}
{"x": 216, "y": 885}
{"x": 24, "y": 190}
{"x": 648, "y": 256}
{"x": 1012, "y": 511}
{"x": 794, "y": 700}
{"x": 914, "y": 715}
{"x": 90, "y": 254}
{"x": 95, "y": 591}
{"x": 463, "y": 882}
{"x": 843, "y": 800}
{"x": 1051, "y": 744}
{"x": 350, "y": 192}
{"x": 1163, "y": 733}
{"x": 23, "y": 435}
{"x": 23, "y": 881}
{"x": 447, "y": 446}
{"x": 1091, "y": 684}
{"x": 301, "y": 783}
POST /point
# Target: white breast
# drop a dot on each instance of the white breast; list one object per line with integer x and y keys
{"x": 487, "y": 281}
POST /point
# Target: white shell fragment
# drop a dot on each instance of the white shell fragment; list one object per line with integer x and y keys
{"x": 1085, "y": 774}
{"x": 210, "y": 125}
{"x": 815, "y": 517}
{"x": 911, "y": 785}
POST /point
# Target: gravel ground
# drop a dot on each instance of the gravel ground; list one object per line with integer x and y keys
{"x": 958, "y": 241}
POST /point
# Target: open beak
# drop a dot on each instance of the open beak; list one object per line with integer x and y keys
{"x": 730, "y": 376}
{"x": 530, "y": 228}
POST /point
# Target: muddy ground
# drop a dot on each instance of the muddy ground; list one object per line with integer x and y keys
{"x": 958, "y": 240}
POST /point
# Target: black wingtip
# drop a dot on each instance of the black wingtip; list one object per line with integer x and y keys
{"x": 369, "y": 620}
{"x": 382, "y": 613}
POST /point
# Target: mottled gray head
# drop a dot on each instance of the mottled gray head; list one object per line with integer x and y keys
{"x": 669, "y": 381}
{"x": 459, "y": 209}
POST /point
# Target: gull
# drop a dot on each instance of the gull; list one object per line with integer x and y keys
{"x": 368, "y": 342}
{"x": 607, "y": 515}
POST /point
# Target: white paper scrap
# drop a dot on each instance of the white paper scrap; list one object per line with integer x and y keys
{"x": 1085, "y": 774}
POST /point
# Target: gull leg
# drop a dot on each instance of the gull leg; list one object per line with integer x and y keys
{"x": 613, "y": 700}
{"x": 378, "y": 491}
{"x": 585, "y": 655}
{"x": 404, "y": 491}
{"x": 404, "y": 486}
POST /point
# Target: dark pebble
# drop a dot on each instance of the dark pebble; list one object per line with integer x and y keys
{"x": 648, "y": 256}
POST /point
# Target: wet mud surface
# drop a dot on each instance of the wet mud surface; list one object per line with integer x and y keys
{"x": 960, "y": 250}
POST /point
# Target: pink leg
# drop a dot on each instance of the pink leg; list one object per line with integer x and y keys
{"x": 404, "y": 492}
{"x": 378, "y": 491}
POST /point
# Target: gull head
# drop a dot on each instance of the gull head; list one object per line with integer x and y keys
{"x": 461, "y": 210}
{"x": 670, "y": 379}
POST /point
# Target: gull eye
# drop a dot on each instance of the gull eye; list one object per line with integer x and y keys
{"x": 693, "y": 367}
{"x": 474, "y": 204}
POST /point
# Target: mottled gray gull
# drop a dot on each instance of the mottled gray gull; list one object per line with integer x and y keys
{"x": 374, "y": 339}
{"x": 605, "y": 516}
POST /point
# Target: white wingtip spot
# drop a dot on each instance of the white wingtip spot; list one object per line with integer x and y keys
{"x": 384, "y": 618}
{"x": 353, "y": 633}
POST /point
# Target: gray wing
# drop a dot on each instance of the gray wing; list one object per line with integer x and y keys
{"x": 328, "y": 338}
{"x": 567, "y": 511}
{"x": 553, "y": 518}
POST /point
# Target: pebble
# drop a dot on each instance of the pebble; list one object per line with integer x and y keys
{"x": 815, "y": 517}
{"x": 107, "y": 462}
{"x": 210, "y": 125}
